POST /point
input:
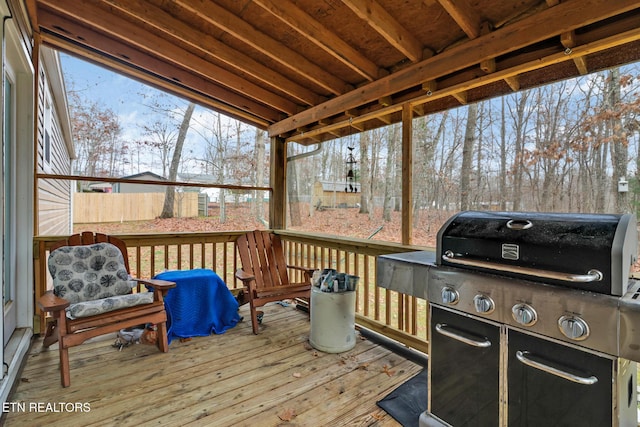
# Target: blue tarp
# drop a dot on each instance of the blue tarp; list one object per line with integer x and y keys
{"x": 200, "y": 304}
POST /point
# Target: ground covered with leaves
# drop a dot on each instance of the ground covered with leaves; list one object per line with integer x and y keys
{"x": 347, "y": 222}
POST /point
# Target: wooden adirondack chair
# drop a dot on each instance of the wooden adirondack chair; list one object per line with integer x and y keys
{"x": 91, "y": 272}
{"x": 264, "y": 272}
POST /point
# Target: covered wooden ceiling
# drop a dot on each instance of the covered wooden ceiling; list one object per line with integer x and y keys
{"x": 312, "y": 70}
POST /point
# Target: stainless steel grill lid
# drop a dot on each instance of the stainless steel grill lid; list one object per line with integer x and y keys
{"x": 593, "y": 252}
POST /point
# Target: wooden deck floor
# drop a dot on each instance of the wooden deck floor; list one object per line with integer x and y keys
{"x": 232, "y": 379}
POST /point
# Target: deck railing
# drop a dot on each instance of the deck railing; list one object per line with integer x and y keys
{"x": 395, "y": 315}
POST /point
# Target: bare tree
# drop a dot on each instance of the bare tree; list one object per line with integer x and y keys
{"x": 365, "y": 176}
{"x": 520, "y": 113}
{"x": 389, "y": 188}
{"x": 467, "y": 156}
{"x": 170, "y": 193}
{"x": 260, "y": 161}
{"x": 96, "y": 131}
{"x": 161, "y": 138}
{"x": 619, "y": 143}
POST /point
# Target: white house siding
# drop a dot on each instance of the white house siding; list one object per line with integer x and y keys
{"x": 54, "y": 196}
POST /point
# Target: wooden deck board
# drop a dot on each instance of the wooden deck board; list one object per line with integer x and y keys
{"x": 232, "y": 379}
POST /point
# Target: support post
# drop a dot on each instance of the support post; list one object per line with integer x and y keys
{"x": 278, "y": 182}
{"x": 407, "y": 174}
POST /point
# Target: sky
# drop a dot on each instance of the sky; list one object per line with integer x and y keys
{"x": 121, "y": 94}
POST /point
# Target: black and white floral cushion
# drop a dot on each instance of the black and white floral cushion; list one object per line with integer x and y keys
{"x": 93, "y": 278}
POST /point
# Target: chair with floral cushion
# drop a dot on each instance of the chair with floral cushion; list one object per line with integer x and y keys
{"x": 93, "y": 295}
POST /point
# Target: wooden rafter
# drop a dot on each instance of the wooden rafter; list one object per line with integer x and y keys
{"x": 378, "y": 18}
{"x": 197, "y": 41}
{"x": 510, "y": 75}
{"x": 120, "y": 30}
{"x": 568, "y": 40}
{"x": 513, "y": 82}
{"x": 548, "y": 23}
{"x": 315, "y": 32}
{"x": 460, "y": 96}
{"x": 242, "y": 30}
{"x": 302, "y": 68}
{"x": 234, "y": 104}
{"x": 197, "y": 90}
{"x": 461, "y": 12}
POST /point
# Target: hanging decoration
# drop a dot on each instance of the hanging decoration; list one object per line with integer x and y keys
{"x": 351, "y": 186}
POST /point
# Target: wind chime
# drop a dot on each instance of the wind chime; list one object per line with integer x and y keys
{"x": 350, "y": 186}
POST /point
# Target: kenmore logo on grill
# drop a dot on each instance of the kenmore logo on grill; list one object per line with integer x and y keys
{"x": 510, "y": 251}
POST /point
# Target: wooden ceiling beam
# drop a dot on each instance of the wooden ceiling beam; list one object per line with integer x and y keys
{"x": 353, "y": 119}
{"x": 461, "y": 12}
{"x": 273, "y": 49}
{"x": 294, "y": 17}
{"x": 566, "y": 16}
{"x": 208, "y": 46}
{"x": 488, "y": 65}
{"x": 461, "y": 97}
{"x": 87, "y": 14}
{"x": 568, "y": 40}
{"x": 513, "y": 82}
{"x": 511, "y": 74}
{"x": 430, "y": 87}
{"x": 386, "y": 120}
{"x": 380, "y": 20}
{"x": 165, "y": 76}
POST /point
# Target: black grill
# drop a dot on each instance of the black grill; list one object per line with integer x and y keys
{"x": 592, "y": 252}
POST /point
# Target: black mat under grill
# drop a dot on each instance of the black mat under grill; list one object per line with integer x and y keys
{"x": 407, "y": 402}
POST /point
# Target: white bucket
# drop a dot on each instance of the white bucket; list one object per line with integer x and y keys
{"x": 333, "y": 320}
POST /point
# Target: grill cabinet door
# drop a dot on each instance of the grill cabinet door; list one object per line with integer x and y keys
{"x": 464, "y": 371}
{"x": 542, "y": 398}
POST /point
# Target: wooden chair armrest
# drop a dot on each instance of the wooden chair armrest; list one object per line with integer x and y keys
{"x": 244, "y": 276}
{"x": 48, "y": 302}
{"x": 308, "y": 271}
{"x": 161, "y": 285}
{"x": 305, "y": 269}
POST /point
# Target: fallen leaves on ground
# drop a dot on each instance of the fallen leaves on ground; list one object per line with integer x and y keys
{"x": 378, "y": 415}
{"x": 287, "y": 415}
{"x": 387, "y": 370}
{"x": 342, "y": 222}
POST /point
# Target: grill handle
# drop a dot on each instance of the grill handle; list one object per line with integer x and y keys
{"x": 516, "y": 224}
{"x": 447, "y": 331}
{"x": 591, "y": 276}
{"x": 525, "y": 357}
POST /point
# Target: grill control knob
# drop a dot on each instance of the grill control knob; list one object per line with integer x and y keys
{"x": 483, "y": 304}
{"x": 450, "y": 296}
{"x": 573, "y": 327}
{"x": 524, "y": 314}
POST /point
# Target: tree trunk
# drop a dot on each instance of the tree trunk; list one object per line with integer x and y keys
{"x": 467, "y": 156}
{"x": 170, "y": 193}
{"x": 520, "y": 118}
{"x": 260, "y": 162}
{"x": 502, "y": 189}
{"x": 397, "y": 180}
{"x": 389, "y": 175}
{"x": 365, "y": 177}
{"x": 619, "y": 155}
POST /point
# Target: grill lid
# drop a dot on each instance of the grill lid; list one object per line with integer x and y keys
{"x": 585, "y": 251}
